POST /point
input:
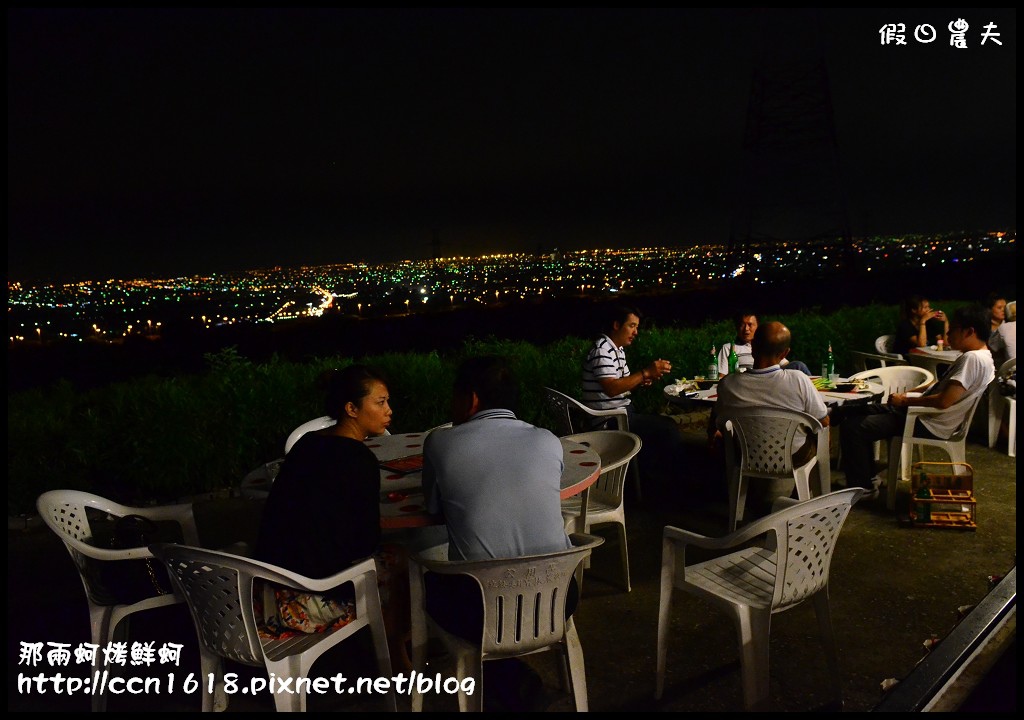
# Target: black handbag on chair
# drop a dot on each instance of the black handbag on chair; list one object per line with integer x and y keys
{"x": 125, "y": 582}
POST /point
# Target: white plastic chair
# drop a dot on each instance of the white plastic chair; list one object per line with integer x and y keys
{"x": 324, "y": 421}
{"x": 523, "y": 609}
{"x": 759, "y": 443}
{"x": 899, "y": 379}
{"x": 884, "y": 345}
{"x": 572, "y": 416}
{"x": 64, "y": 512}
{"x": 218, "y": 588}
{"x": 901, "y": 447}
{"x": 1000, "y": 405}
{"x": 789, "y": 566}
{"x": 604, "y": 499}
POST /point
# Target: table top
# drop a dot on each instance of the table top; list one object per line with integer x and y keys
{"x": 403, "y": 504}
{"x": 831, "y": 397}
{"x": 947, "y": 354}
{"x": 934, "y": 360}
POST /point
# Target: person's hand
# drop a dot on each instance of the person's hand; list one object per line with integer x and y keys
{"x": 658, "y": 368}
{"x": 898, "y": 400}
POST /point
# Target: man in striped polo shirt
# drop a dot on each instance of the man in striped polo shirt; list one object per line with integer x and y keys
{"x": 607, "y": 384}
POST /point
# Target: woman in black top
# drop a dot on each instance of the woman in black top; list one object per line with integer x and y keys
{"x": 919, "y": 325}
{"x": 323, "y": 512}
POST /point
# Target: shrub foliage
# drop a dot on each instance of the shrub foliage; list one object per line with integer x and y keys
{"x": 159, "y": 439}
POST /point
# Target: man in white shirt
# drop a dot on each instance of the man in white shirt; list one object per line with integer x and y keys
{"x": 768, "y": 383}
{"x": 955, "y": 393}
{"x": 746, "y": 326}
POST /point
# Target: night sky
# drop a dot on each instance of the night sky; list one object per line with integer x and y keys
{"x": 165, "y": 142}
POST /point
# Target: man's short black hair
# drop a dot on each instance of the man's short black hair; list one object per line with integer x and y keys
{"x": 492, "y": 379}
{"x": 742, "y": 314}
{"x": 620, "y": 314}
{"x": 972, "y": 316}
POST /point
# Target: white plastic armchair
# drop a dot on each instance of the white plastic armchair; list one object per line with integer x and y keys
{"x": 324, "y": 421}
{"x": 901, "y": 447}
{"x": 788, "y": 566}
{"x": 900, "y": 379}
{"x": 523, "y": 610}
{"x": 1000, "y": 405}
{"x": 759, "y": 443}
{"x": 320, "y": 423}
{"x": 218, "y": 588}
{"x": 884, "y": 345}
{"x": 602, "y": 503}
{"x": 573, "y": 416}
{"x": 65, "y": 512}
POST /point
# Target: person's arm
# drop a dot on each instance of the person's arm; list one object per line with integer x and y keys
{"x": 949, "y": 396}
{"x": 613, "y": 386}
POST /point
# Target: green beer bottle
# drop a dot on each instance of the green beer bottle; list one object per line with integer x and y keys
{"x": 734, "y": 360}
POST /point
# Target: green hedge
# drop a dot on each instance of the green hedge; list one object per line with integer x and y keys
{"x": 158, "y": 439}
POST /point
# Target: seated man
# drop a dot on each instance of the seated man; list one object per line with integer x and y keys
{"x": 496, "y": 481}
{"x": 608, "y": 382}
{"x": 969, "y": 376}
{"x": 767, "y": 383}
{"x": 746, "y": 326}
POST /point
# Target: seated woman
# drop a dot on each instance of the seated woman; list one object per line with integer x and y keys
{"x": 996, "y": 310}
{"x": 919, "y": 325}
{"x": 323, "y": 514}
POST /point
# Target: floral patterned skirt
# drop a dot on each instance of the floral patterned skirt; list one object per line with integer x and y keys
{"x": 283, "y": 612}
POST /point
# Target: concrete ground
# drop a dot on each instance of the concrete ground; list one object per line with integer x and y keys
{"x": 892, "y": 588}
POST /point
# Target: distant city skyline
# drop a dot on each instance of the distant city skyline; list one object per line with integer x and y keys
{"x": 172, "y": 142}
{"x": 113, "y": 310}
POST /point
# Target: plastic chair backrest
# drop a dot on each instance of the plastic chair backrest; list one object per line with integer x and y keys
{"x": 65, "y": 512}
{"x": 324, "y": 421}
{"x": 570, "y": 414}
{"x": 884, "y": 344}
{"x": 898, "y": 379}
{"x": 1007, "y": 368}
{"x": 218, "y": 588}
{"x": 524, "y": 598}
{"x": 765, "y": 437}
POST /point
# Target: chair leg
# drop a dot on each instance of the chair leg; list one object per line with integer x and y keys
{"x": 99, "y": 622}
{"x": 995, "y": 417}
{"x": 828, "y": 641}
{"x": 624, "y": 552}
{"x": 753, "y": 627}
{"x": 1011, "y": 448}
{"x": 668, "y": 572}
{"x": 894, "y": 474}
{"x": 577, "y": 669}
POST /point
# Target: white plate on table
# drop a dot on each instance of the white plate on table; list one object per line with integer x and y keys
{"x": 674, "y": 390}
